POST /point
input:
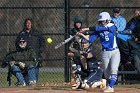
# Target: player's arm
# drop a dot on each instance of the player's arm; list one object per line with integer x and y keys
{"x": 81, "y": 34}
{"x": 84, "y": 30}
{"x": 95, "y": 28}
{"x": 87, "y": 29}
{"x": 111, "y": 29}
{"x": 86, "y": 55}
{"x": 122, "y": 24}
{"x": 89, "y": 55}
{"x": 90, "y": 38}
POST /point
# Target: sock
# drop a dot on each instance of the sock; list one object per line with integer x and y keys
{"x": 113, "y": 80}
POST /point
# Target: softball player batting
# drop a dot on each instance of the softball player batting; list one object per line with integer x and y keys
{"x": 106, "y": 31}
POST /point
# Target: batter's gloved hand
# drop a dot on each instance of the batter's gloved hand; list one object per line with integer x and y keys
{"x": 21, "y": 65}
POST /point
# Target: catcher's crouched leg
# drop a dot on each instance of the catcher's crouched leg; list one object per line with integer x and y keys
{"x": 76, "y": 85}
{"x": 76, "y": 81}
{"x": 85, "y": 85}
{"x": 101, "y": 84}
{"x": 73, "y": 77}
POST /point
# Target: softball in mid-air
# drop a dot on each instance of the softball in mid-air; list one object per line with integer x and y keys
{"x": 49, "y": 40}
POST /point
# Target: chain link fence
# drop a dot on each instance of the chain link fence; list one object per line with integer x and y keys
{"x": 49, "y": 16}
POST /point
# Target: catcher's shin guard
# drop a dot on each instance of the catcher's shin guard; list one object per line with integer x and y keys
{"x": 77, "y": 82}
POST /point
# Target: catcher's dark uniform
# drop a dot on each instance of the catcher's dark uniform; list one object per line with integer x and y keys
{"x": 94, "y": 72}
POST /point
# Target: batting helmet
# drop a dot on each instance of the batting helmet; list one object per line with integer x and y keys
{"x": 104, "y": 16}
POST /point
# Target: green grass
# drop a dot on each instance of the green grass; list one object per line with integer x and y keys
{"x": 50, "y": 77}
{"x": 3, "y": 79}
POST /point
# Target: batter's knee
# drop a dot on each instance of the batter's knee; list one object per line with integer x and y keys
{"x": 114, "y": 71}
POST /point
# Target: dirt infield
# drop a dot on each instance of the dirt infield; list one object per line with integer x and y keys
{"x": 65, "y": 90}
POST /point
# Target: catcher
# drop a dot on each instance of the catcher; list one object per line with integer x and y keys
{"x": 90, "y": 77}
{"x": 22, "y": 64}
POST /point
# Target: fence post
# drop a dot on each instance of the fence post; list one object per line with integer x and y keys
{"x": 67, "y": 26}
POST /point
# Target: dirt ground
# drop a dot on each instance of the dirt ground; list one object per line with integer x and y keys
{"x": 65, "y": 90}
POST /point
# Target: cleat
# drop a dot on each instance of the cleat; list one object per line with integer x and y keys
{"x": 109, "y": 89}
{"x": 103, "y": 85}
{"x": 75, "y": 86}
{"x": 85, "y": 86}
{"x": 96, "y": 84}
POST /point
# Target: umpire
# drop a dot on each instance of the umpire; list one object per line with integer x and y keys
{"x": 34, "y": 39}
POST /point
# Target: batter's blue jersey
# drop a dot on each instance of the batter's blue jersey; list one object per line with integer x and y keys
{"x": 107, "y": 36}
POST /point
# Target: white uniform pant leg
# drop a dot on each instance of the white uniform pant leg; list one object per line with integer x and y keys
{"x": 111, "y": 61}
{"x": 115, "y": 61}
{"x": 105, "y": 59}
